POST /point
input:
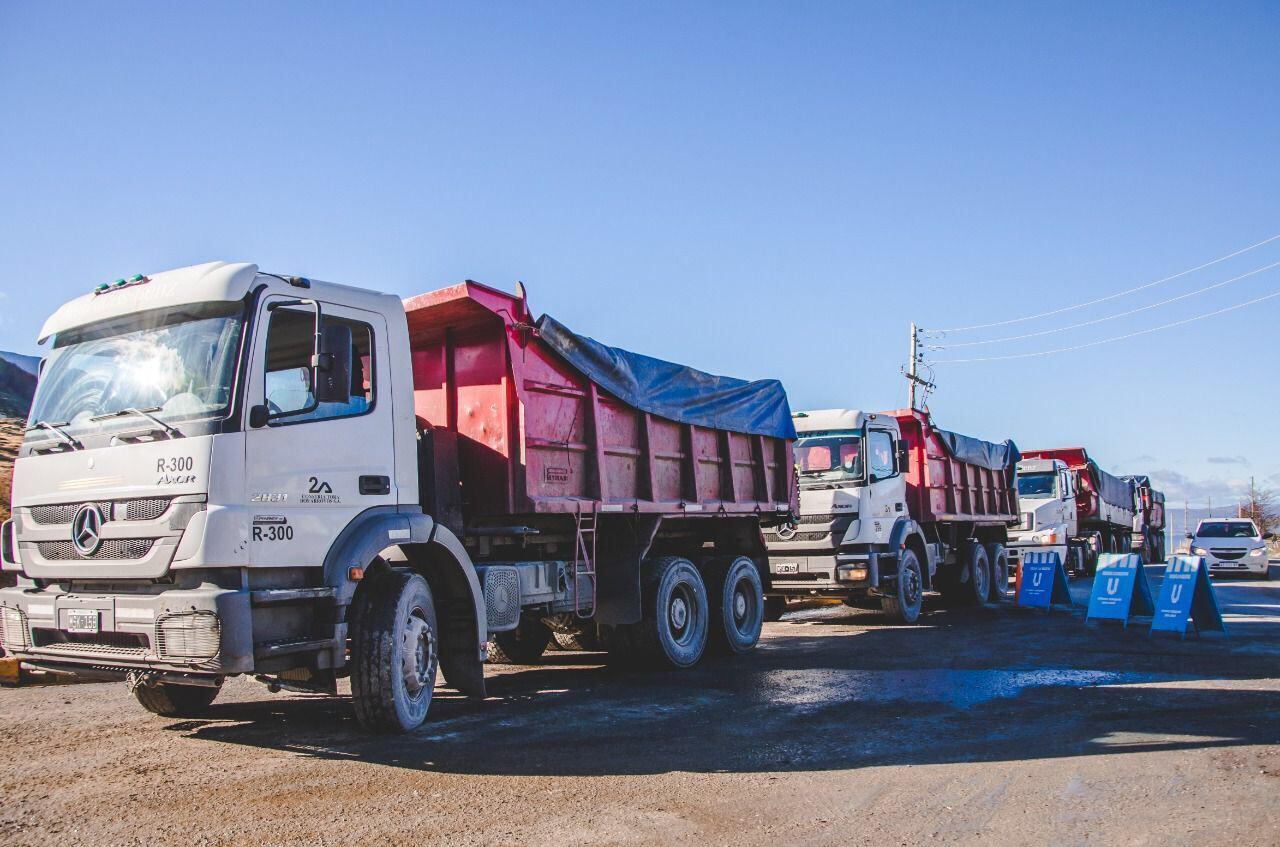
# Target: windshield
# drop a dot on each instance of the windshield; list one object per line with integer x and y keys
{"x": 1227, "y": 529}
{"x": 176, "y": 363}
{"x": 1036, "y": 484}
{"x": 830, "y": 456}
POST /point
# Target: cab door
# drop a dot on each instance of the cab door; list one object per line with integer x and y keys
{"x": 312, "y": 465}
{"x": 887, "y": 487}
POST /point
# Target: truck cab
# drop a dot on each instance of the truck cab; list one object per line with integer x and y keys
{"x": 851, "y": 495}
{"x": 1047, "y": 513}
{"x": 214, "y": 456}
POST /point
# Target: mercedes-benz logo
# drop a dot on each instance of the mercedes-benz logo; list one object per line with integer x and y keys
{"x": 86, "y": 529}
{"x": 787, "y": 531}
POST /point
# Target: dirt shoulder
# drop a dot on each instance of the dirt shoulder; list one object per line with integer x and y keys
{"x": 10, "y": 439}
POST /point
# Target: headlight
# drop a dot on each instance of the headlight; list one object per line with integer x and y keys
{"x": 1199, "y": 551}
{"x": 13, "y": 628}
{"x": 1259, "y": 552}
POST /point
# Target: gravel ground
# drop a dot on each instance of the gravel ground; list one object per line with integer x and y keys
{"x": 980, "y": 726}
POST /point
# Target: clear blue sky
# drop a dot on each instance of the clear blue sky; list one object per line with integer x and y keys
{"x": 755, "y": 189}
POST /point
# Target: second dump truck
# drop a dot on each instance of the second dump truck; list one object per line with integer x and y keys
{"x": 235, "y": 472}
{"x": 892, "y": 506}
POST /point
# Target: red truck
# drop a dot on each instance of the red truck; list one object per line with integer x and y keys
{"x": 1148, "y": 536}
{"x": 891, "y": 506}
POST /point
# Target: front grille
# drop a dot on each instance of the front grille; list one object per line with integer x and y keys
{"x": 120, "y": 644}
{"x": 1228, "y": 554}
{"x": 112, "y": 548}
{"x": 139, "y": 509}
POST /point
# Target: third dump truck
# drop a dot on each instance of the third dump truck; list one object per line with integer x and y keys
{"x": 892, "y": 506}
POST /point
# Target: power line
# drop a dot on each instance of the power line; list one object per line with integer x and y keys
{"x": 1256, "y": 300}
{"x": 1112, "y": 296}
{"x": 1106, "y": 318}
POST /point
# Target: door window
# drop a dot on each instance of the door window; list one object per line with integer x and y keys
{"x": 290, "y": 394}
{"x": 880, "y": 446}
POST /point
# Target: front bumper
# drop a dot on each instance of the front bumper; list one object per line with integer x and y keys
{"x": 834, "y": 574}
{"x": 204, "y": 630}
{"x": 1247, "y": 564}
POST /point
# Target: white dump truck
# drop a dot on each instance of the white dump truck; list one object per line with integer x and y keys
{"x": 892, "y": 506}
{"x": 235, "y": 472}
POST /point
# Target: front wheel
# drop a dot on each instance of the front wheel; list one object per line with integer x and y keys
{"x": 905, "y": 598}
{"x": 176, "y": 701}
{"x": 394, "y": 652}
{"x": 736, "y": 601}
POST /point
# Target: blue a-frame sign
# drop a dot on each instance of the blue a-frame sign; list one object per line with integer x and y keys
{"x": 1043, "y": 581}
{"x": 1187, "y": 595}
{"x": 1120, "y": 589}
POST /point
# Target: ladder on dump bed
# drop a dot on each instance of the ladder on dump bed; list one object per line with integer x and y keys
{"x": 584, "y": 559}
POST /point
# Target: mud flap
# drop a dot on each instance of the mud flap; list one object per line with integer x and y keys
{"x": 623, "y": 545}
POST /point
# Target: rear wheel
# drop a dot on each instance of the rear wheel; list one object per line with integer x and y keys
{"x": 774, "y": 608}
{"x": 176, "y": 701}
{"x": 394, "y": 652}
{"x": 904, "y": 599}
{"x": 523, "y": 645}
{"x": 736, "y": 603}
{"x": 999, "y": 559}
{"x": 674, "y": 630}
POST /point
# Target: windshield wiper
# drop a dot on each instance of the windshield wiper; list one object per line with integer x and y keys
{"x": 171, "y": 431}
{"x": 56, "y": 429}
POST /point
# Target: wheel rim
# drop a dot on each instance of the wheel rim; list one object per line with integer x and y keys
{"x": 979, "y": 576}
{"x": 680, "y": 614}
{"x": 910, "y": 586}
{"x": 744, "y": 606}
{"x": 417, "y": 657}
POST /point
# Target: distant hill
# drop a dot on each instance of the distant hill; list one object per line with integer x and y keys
{"x": 17, "y": 387}
{"x": 30, "y": 364}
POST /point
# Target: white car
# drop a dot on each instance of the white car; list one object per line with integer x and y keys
{"x": 1231, "y": 545}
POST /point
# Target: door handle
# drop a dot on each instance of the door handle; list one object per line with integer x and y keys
{"x": 375, "y": 485}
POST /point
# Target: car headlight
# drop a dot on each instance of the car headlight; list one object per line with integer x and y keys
{"x": 1259, "y": 552}
{"x": 1198, "y": 551}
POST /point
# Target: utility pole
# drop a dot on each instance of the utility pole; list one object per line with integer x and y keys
{"x": 913, "y": 378}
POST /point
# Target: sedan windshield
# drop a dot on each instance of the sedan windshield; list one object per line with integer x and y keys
{"x": 176, "y": 363}
{"x": 830, "y": 456}
{"x": 1227, "y": 529}
{"x": 1036, "y": 484}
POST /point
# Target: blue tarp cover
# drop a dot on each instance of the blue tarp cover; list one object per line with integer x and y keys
{"x": 984, "y": 454}
{"x": 674, "y": 391}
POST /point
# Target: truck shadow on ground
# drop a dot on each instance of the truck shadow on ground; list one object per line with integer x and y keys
{"x": 971, "y": 685}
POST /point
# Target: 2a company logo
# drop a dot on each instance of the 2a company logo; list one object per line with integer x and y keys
{"x": 319, "y": 491}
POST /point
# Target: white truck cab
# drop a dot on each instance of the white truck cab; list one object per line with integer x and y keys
{"x": 1231, "y": 545}
{"x": 1047, "y": 513}
{"x": 213, "y": 456}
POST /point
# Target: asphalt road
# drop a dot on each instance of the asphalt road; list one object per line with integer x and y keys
{"x": 990, "y": 725}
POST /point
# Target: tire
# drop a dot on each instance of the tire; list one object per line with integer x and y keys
{"x": 977, "y": 589}
{"x": 585, "y": 640}
{"x": 904, "y": 603}
{"x": 394, "y": 653}
{"x": 998, "y": 557}
{"x": 673, "y": 633}
{"x": 774, "y": 608}
{"x": 176, "y": 701}
{"x": 523, "y": 645}
{"x": 735, "y": 598}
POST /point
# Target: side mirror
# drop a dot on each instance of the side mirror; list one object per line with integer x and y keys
{"x": 1191, "y": 535}
{"x": 872, "y": 479}
{"x": 1267, "y": 536}
{"x": 258, "y": 416}
{"x": 904, "y": 457}
{"x": 333, "y": 368}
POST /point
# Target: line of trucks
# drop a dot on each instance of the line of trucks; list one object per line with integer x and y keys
{"x": 232, "y": 472}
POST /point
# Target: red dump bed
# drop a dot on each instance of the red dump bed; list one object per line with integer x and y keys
{"x": 944, "y": 488}
{"x": 534, "y": 435}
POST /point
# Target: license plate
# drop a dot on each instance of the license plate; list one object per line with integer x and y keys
{"x": 787, "y": 567}
{"x": 82, "y": 621}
